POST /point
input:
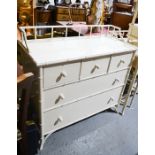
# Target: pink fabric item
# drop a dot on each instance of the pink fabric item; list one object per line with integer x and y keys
{"x": 98, "y": 32}
{"x": 84, "y": 28}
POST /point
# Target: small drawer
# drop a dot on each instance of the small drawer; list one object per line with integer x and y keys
{"x": 120, "y": 62}
{"x": 94, "y": 67}
{"x": 71, "y": 113}
{"x": 82, "y": 89}
{"x": 59, "y": 75}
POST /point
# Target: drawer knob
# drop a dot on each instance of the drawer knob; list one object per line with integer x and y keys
{"x": 62, "y": 74}
{"x": 60, "y": 97}
{"x": 120, "y": 62}
{"x": 59, "y": 119}
{"x": 111, "y": 99}
{"x": 94, "y": 68}
{"x": 116, "y": 80}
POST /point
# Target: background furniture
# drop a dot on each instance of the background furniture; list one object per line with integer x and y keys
{"x": 56, "y": 15}
{"x": 135, "y": 79}
{"x": 122, "y": 14}
{"x": 25, "y": 12}
{"x": 122, "y": 6}
{"x": 121, "y": 19}
{"x": 77, "y": 77}
{"x": 131, "y": 85}
{"x": 77, "y": 14}
{"x": 133, "y": 76}
{"x": 97, "y": 11}
{"x": 45, "y": 16}
{"x": 24, "y": 82}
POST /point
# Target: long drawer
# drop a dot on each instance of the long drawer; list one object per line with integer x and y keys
{"x": 73, "y": 92}
{"x": 71, "y": 113}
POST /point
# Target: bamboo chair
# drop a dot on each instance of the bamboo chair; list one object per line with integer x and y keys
{"x": 132, "y": 39}
{"x": 24, "y": 82}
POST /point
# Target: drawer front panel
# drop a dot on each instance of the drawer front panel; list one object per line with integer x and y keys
{"x": 63, "y": 17}
{"x": 78, "y": 17}
{"x": 59, "y": 75}
{"x": 120, "y": 62}
{"x": 62, "y": 10}
{"x": 73, "y": 92}
{"x": 94, "y": 67}
{"x": 78, "y": 11}
{"x": 72, "y": 10}
{"x": 61, "y": 117}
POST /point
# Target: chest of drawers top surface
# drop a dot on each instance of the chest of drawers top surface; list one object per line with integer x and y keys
{"x": 57, "y": 50}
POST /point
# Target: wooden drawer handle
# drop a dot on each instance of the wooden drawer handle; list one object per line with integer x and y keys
{"x": 111, "y": 99}
{"x": 59, "y": 119}
{"x": 94, "y": 68}
{"x": 62, "y": 74}
{"x": 116, "y": 80}
{"x": 120, "y": 62}
{"x": 60, "y": 97}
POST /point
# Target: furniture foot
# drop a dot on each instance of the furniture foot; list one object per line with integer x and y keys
{"x": 114, "y": 109}
{"x": 43, "y": 140}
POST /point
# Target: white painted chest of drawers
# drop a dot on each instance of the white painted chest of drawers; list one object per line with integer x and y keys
{"x": 77, "y": 77}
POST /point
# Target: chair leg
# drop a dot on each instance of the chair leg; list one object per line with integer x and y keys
{"x": 129, "y": 90}
{"x": 24, "y": 146}
{"x": 133, "y": 95}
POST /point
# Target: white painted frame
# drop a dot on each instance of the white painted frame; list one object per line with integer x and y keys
{"x": 105, "y": 30}
{"x": 110, "y": 30}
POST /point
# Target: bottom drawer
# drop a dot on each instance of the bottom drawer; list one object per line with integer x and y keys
{"x": 71, "y": 113}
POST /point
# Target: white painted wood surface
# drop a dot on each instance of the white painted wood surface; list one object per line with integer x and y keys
{"x": 61, "y": 117}
{"x": 72, "y": 92}
{"x": 69, "y": 90}
{"x": 119, "y": 62}
{"x": 60, "y": 75}
{"x": 57, "y": 50}
{"x": 92, "y": 68}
